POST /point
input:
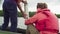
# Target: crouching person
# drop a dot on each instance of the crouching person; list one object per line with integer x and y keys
{"x": 45, "y": 21}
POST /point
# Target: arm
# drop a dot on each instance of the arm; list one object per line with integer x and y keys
{"x": 19, "y": 5}
{"x": 36, "y": 17}
{"x": 20, "y": 8}
{"x": 31, "y": 20}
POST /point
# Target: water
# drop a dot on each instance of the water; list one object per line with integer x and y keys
{"x": 21, "y": 23}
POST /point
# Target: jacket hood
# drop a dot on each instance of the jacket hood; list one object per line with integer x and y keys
{"x": 44, "y": 11}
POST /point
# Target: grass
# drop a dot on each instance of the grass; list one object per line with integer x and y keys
{"x": 6, "y": 32}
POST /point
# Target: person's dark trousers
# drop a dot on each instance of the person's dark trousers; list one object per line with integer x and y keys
{"x": 10, "y": 12}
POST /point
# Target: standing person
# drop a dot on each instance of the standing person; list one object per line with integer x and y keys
{"x": 10, "y": 12}
{"x": 45, "y": 21}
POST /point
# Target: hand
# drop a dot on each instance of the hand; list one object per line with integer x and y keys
{"x": 24, "y": 15}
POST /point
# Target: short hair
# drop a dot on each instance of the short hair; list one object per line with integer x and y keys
{"x": 41, "y": 5}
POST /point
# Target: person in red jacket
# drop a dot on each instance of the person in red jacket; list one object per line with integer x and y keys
{"x": 45, "y": 21}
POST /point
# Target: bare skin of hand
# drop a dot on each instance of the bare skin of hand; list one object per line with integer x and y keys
{"x": 24, "y": 15}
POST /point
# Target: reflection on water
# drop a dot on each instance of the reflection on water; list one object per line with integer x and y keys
{"x": 21, "y": 23}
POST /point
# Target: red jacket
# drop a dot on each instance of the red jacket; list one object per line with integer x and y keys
{"x": 44, "y": 20}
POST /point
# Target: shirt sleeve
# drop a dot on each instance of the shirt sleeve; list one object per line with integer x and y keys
{"x": 35, "y": 18}
{"x": 31, "y": 20}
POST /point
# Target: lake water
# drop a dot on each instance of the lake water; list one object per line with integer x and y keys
{"x": 21, "y": 23}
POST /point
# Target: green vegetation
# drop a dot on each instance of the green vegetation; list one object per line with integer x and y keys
{"x": 19, "y": 14}
{"x": 58, "y": 15}
{"x": 30, "y": 14}
{"x": 1, "y": 13}
{"x": 6, "y": 32}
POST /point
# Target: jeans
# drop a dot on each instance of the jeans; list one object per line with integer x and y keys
{"x": 10, "y": 14}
